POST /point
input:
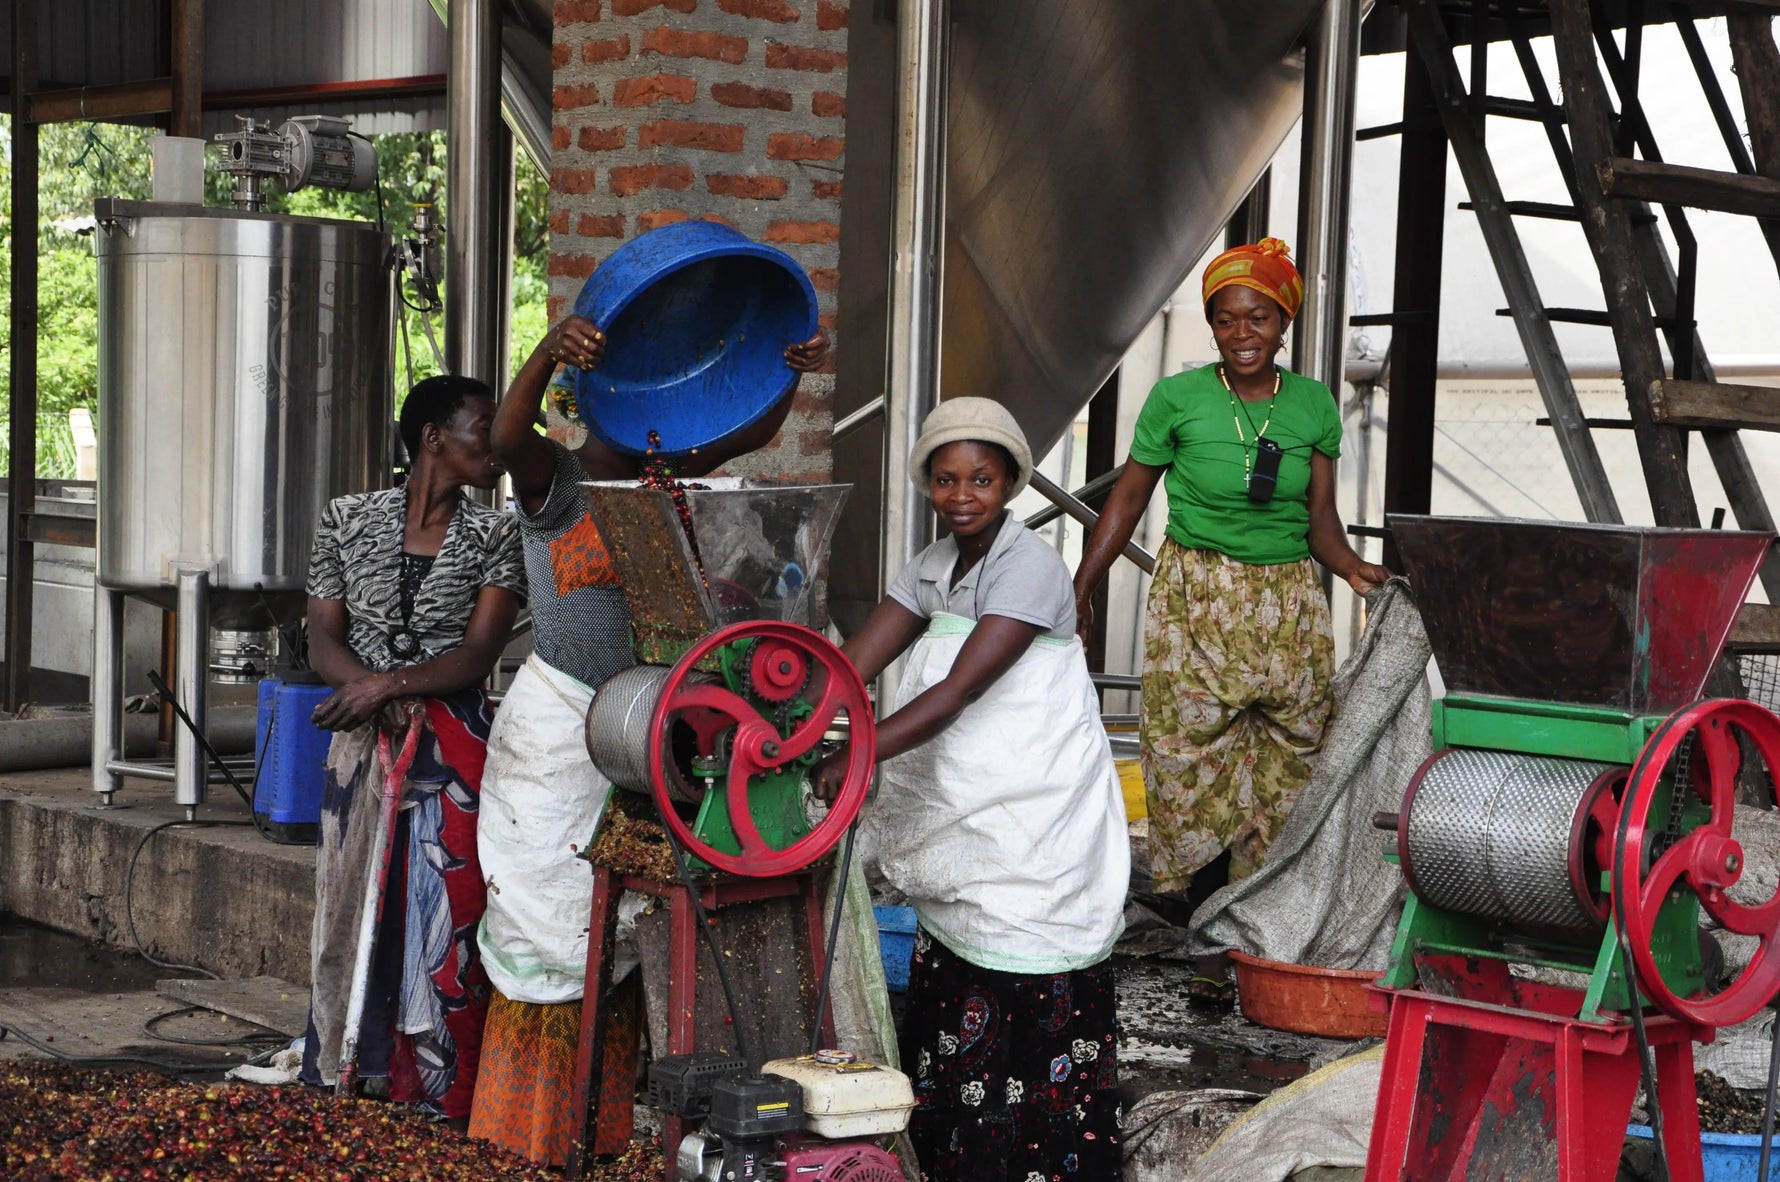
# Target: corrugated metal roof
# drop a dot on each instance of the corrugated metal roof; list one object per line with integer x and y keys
{"x": 254, "y": 45}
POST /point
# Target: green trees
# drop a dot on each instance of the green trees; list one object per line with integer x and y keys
{"x": 78, "y": 162}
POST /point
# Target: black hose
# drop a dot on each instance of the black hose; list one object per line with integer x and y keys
{"x": 168, "y": 697}
{"x": 834, "y": 935}
{"x": 129, "y": 887}
{"x": 166, "y": 1066}
{"x": 704, "y": 926}
{"x": 1646, "y": 1062}
{"x": 238, "y": 1040}
{"x": 1767, "y": 1111}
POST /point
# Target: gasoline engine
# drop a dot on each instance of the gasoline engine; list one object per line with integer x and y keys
{"x": 814, "y": 1117}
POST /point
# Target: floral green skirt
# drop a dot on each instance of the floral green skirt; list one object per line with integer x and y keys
{"x": 1237, "y": 661}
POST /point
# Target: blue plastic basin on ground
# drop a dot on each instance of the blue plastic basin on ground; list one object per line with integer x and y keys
{"x": 697, "y": 317}
{"x": 1727, "y": 1157}
{"x": 896, "y": 942}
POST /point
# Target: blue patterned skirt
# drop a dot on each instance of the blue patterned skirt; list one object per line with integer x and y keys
{"x": 1015, "y": 1075}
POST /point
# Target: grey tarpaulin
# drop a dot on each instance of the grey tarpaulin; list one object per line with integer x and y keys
{"x": 858, "y": 994}
{"x": 1324, "y": 1119}
{"x": 1325, "y": 896}
{"x": 1166, "y": 1131}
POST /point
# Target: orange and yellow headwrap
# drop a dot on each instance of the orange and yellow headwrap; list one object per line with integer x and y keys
{"x": 1262, "y": 266}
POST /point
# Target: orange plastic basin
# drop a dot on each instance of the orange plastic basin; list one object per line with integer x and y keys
{"x": 1305, "y": 1000}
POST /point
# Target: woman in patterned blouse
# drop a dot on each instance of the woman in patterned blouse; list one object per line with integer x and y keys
{"x": 412, "y": 594}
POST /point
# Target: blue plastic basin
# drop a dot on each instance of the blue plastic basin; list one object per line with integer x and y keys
{"x": 896, "y": 943}
{"x": 697, "y": 317}
{"x": 1727, "y": 1157}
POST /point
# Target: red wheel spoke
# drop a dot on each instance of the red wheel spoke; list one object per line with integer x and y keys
{"x": 1718, "y": 744}
{"x": 714, "y": 698}
{"x": 741, "y": 819}
{"x": 1760, "y": 920}
{"x": 1669, "y": 869}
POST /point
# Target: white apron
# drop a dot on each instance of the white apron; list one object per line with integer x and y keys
{"x": 1007, "y": 831}
{"x": 542, "y": 799}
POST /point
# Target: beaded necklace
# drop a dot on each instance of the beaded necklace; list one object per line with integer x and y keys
{"x": 1248, "y": 448}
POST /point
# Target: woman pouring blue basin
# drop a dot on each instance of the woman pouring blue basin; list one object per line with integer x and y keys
{"x": 1000, "y": 817}
{"x": 542, "y": 796}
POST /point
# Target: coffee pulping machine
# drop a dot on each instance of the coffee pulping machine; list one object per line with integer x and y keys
{"x": 1575, "y": 825}
{"x": 730, "y": 705}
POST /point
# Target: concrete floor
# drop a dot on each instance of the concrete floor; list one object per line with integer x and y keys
{"x": 215, "y": 894}
{"x": 221, "y": 897}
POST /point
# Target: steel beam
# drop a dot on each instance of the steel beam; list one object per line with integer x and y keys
{"x": 1415, "y": 300}
{"x": 22, "y": 364}
{"x": 1320, "y": 347}
{"x": 187, "y": 115}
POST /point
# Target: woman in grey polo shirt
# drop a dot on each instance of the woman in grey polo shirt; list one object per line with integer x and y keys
{"x": 1000, "y": 817}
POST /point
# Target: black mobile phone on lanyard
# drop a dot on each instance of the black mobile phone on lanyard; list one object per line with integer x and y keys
{"x": 1265, "y": 477}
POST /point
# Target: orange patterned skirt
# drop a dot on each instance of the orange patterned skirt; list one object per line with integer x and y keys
{"x": 525, "y": 1089}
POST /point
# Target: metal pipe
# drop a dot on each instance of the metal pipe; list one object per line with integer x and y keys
{"x": 1061, "y": 497}
{"x": 1121, "y": 681}
{"x": 362, "y": 90}
{"x": 21, "y": 562}
{"x": 32, "y": 744}
{"x": 859, "y": 418}
{"x": 474, "y": 319}
{"x": 190, "y": 682}
{"x": 187, "y": 20}
{"x": 1093, "y": 488}
{"x": 1321, "y": 328}
{"x": 527, "y": 116}
{"x": 107, "y": 688}
{"x": 917, "y": 234}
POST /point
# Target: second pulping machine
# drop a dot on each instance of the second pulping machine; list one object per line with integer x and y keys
{"x": 1569, "y": 848}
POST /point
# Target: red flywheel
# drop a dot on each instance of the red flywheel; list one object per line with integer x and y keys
{"x": 1702, "y": 747}
{"x": 726, "y": 725}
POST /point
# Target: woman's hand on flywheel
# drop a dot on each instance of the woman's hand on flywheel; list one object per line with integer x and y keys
{"x": 829, "y": 774}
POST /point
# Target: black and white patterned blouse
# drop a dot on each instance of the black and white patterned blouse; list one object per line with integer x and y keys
{"x": 357, "y": 558}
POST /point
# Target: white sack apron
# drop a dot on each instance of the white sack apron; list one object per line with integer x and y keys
{"x": 541, "y": 801}
{"x": 1007, "y": 831}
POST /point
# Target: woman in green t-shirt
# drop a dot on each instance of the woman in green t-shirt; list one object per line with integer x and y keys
{"x": 1238, "y": 649}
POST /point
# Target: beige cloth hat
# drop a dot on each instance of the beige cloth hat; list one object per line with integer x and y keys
{"x": 982, "y": 419}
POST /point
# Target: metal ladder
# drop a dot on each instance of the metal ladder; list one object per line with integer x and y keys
{"x": 1652, "y": 294}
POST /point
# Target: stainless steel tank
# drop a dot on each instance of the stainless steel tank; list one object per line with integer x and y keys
{"x": 244, "y": 381}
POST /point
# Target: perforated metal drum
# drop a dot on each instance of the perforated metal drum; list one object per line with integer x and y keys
{"x": 1510, "y": 837}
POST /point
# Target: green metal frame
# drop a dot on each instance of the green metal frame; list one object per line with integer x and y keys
{"x": 775, "y": 798}
{"x": 1528, "y": 727}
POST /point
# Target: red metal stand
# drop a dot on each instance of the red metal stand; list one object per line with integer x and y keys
{"x": 1458, "y": 1071}
{"x": 683, "y": 941}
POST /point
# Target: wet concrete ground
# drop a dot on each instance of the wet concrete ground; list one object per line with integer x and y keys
{"x": 65, "y": 997}
{"x": 34, "y": 956}
{"x": 93, "y": 999}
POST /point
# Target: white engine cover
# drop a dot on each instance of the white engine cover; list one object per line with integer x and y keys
{"x": 848, "y": 1097}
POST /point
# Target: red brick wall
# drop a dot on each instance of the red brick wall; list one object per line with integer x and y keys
{"x": 726, "y": 109}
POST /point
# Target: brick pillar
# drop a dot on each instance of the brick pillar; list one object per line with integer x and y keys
{"x": 733, "y": 110}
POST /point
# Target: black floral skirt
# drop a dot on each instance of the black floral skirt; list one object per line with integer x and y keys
{"x": 1015, "y": 1075}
